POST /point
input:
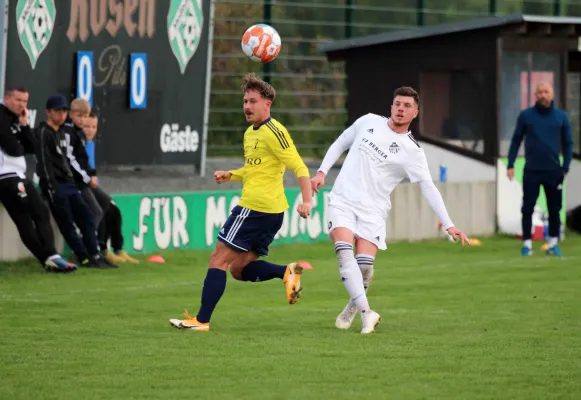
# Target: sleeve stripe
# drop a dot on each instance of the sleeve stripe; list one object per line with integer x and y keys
{"x": 279, "y": 135}
{"x": 413, "y": 139}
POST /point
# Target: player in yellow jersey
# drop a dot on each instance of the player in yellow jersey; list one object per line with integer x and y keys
{"x": 253, "y": 223}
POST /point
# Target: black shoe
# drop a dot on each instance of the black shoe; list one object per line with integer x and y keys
{"x": 93, "y": 262}
{"x": 109, "y": 263}
{"x": 103, "y": 263}
{"x": 87, "y": 263}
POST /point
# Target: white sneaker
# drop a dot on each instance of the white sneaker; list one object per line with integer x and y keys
{"x": 369, "y": 320}
{"x": 346, "y": 317}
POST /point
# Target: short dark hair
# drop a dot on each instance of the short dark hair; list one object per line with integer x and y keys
{"x": 93, "y": 115}
{"x": 15, "y": 88}
{"x": 253, "y": 82}
{"x": 407, "y": 91}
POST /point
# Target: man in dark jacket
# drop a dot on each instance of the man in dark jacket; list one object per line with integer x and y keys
{"x": 19, "y": 197}
{"x": 547, "y": 131}
{"x": 58, "y": 185}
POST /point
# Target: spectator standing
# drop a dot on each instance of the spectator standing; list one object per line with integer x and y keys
{"x": 546, "y": 130}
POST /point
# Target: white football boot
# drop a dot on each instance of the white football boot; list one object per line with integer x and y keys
{"x": 369, "y": 320}
{"x": 345, "y": 319}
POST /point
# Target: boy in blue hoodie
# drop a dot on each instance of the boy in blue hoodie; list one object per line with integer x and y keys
{"x": 110, "y": 225}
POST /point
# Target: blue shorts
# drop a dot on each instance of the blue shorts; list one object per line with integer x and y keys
{"x": 248, "y": 230}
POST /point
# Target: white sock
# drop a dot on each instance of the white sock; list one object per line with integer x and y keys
{"x": 553, "y": 241}
{"x": 365, "y": 262}
{"x": 528, "y": 243}
{"x": 351, "y": 275}
{"x": 54, "y": 257}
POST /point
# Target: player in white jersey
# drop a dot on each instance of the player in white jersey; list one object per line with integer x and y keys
{"x": 382, "y": 153}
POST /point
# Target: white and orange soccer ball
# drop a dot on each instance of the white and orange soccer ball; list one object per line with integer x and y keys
{"x": 261, "y": 43}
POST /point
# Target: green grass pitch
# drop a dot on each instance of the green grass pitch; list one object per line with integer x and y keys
{"x": 458, "y": 323}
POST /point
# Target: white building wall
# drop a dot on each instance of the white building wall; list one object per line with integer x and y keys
{"x": 459, "y": 168}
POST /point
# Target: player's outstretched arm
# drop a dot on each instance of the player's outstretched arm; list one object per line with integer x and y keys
{"x": 434, "y": 198}
{"x": 339, "y": 146}
{"x": 418, "y": 171}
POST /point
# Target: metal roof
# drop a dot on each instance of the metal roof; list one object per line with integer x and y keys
{"x": 441, "y": 29}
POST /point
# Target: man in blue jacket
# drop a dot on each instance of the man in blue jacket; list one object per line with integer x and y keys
{"x": 547, "y": 131}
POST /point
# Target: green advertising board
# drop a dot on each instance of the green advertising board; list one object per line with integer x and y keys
{"x": 191, "y": 220}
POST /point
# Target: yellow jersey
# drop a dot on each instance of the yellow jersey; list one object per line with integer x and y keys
{"x": 268, "y": 151}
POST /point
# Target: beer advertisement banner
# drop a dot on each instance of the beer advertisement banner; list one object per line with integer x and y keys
{"x": 192, "y": 220}
{"x": 142, "y": 64}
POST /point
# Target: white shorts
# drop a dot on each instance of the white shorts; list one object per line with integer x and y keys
{"x": 369, "y": 227}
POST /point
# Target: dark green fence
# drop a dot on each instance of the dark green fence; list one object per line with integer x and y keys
{"x": 310, "y": 91}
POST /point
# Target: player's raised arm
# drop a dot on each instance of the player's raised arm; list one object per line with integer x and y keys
{"x": 282, "y": 145}
{"x": 339, "y": 146}
{"x": 418, "y": 172}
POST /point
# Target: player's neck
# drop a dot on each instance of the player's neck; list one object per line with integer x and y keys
{"x": 258, "y": 124}
{"x": 401, "y": 129}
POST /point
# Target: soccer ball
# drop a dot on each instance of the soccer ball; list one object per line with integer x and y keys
{"x": 261, "y": 43}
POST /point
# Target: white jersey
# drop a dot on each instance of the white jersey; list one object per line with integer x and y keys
{"x": 378, "y": 160}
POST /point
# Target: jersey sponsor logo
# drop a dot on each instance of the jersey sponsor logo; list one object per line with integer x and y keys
{"x": 280, "y": 136}
{"x": 394, "y": 148}
{"x": 375, "y": 148}
{"x": 254, "y": 161}
{"x": 174, "y": 140}
{"x": 370, "y": 130}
